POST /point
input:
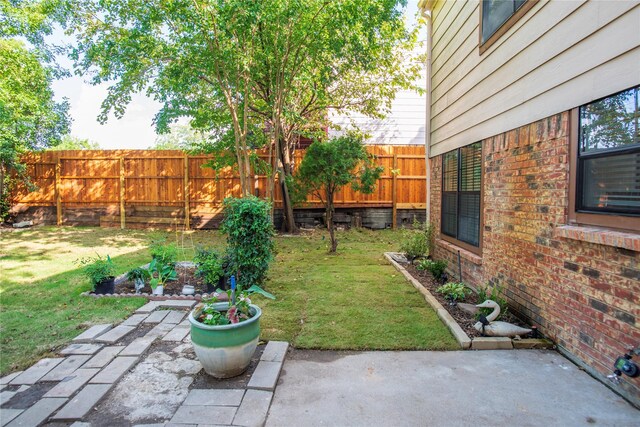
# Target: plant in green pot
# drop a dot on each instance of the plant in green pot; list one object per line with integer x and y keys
{"x": 160, "y": 274}
{"x": 100, "y": 272}
{"x": 225, "y": 334}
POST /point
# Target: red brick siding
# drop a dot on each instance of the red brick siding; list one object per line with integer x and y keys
{"x": 584, "y": 296}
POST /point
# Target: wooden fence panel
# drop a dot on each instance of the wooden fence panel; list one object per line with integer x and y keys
{"x": 145, "y": 179}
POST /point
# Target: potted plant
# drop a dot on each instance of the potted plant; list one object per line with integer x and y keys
{"x": 100, "y": 272}
{"x": 160, "y": 274}
{"x": 139, "y": 276}
{"x": 210, "y": 266}
{"x": 225, "y": 334}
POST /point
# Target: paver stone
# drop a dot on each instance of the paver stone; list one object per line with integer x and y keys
{"x": 83, "y": 402}
{"x": 37, "y": 371}
{"x": 65, "y": 368}
{"x": 37, "y": 413}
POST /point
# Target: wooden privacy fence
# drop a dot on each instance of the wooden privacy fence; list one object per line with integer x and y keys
{"x": 123, "y": 183}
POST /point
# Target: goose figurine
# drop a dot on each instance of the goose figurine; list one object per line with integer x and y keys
{"x": 497, "y": 329}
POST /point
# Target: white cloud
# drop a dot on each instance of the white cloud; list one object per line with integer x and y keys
{"x": 134, "y": 130}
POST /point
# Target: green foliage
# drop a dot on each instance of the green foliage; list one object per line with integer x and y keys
{"x": 493, "y": 293}
{"x": 418, "y": 242}
{"x": 30, "y": 119}
{"x": 247, "y": 224}
{"x": 234, "y": 65}
{"x": 454, "y": 291}
{"x": 165, "y": 253}
{"x": 97, "y": 269}
{"x": 180, "y": 137}
{"x": 231, "y": 315}
{"x": 70, "y": 142}
{"x": 209, "y": 265}
{"x": 437, "y": 268}
{"x": 161, "y": 273}
{"x": 328, "y": 166}
{"x": 139, "y": 274}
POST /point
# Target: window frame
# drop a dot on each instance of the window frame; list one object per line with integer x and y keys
{"x": 464, "y": 245}
{"x": 528, "y": 4}
{"x": 612, "y": 220}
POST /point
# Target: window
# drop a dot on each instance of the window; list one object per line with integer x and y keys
{"x": 497, "y": 16}
{"x": 606, "y": 157}
{"x": 461, "y": 195}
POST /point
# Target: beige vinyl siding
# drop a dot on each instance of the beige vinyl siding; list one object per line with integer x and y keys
{"x": 561, "y": 54}
{"x": 404, "y": 125}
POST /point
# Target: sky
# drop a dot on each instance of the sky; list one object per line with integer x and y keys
{"x": 135, "y": 129}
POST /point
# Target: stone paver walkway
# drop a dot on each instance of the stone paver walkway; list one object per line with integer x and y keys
{"x": 114, "y": 376}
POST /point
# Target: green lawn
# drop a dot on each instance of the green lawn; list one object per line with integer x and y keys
{"x": 353, "y": 300}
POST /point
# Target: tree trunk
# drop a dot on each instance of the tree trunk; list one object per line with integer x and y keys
{"x": 287, "y": 206}
{"x": 332, "y": 232}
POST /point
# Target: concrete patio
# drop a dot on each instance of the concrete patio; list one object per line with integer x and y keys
{"x": 461, "y": 388}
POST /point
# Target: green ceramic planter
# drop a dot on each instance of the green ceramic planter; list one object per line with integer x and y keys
{"x": 225, "y": 351}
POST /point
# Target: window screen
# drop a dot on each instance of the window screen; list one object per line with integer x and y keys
{"x": 461, "y": 185}
{"x": 609, "y": 155}
{"x": 495, "y": 13}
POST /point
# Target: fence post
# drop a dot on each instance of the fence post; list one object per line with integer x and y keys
{"x": 394, "y": 192}
{"x": 187, "y": 214}
{"x": 58, "y": 195}
{"x": 122, "y": 192}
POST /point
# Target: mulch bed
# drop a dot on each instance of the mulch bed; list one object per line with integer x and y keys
{"x": 464, "y": 319}
{"x": 186, "y": 276}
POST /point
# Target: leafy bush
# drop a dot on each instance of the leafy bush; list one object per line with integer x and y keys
{"x": 97, "y": 269}
{"x": 418, "y": 242}
{"x": 210, "y": 265}
{"x": 164, "y": 253}
{"x": 436, "y": 268}
{"x": 161, "y": 273}
{"x": 493, "y": 293}
{"x": 454, "y": 291}
{"x": 249, "y": 230}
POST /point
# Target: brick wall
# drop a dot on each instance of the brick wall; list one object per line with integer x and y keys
{"x": 584, "y": 296}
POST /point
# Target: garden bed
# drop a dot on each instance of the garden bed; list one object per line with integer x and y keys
{"x": 459, "y": 321}
{"x": 172, "y": 289}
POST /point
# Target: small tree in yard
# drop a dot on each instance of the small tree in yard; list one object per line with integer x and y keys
{"x": 328, "y": 166}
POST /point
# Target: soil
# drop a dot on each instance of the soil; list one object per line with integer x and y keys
{"x": 464, "y": 319}
{"x": 186, "y": 276}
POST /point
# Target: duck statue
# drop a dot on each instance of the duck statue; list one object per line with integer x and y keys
{"x": 489, "y": 327}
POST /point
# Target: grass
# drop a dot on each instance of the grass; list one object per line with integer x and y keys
{"x": 353, "y": 301}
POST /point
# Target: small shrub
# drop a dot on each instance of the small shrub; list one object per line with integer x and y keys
{"x": 161, "y": 273}
{"x": 493, "y": 293}
{"x": 247, "y": 224}
{"x": 418, "y": 242}
{"x": 210, "y": 265}
{"x": 97, "y": 269}
{"x": 436, "y": 268}
{"x": 163, "y": 252}
{"x": 454, "y": 291}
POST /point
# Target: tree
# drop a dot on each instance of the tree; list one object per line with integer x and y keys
{"x": 241, "y": 68}
{"x": 70, "y": 142}
{"x": 180, "y": 137}
{"x": 30, "y": 119}
{"x": 317, "y": 56}
{"x": 329, "y": 166}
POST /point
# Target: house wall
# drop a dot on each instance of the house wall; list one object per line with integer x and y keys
{"x": 404, "y": 125}
{"x": 559, "y": 55}
{"x": 582, "y": 295}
